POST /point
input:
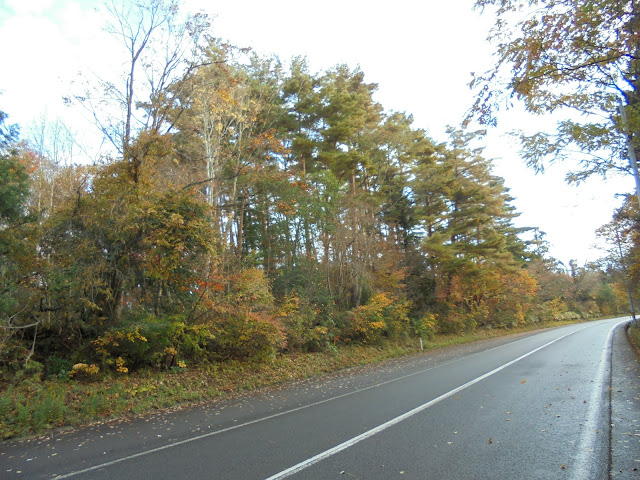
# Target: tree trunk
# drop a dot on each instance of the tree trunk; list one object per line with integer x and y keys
{"x": 241, "y": 227}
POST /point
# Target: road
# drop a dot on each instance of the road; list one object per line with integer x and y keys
{"x": 533, "y": 406}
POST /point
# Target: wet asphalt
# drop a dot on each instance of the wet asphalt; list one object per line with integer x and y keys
{"x": 541, "y": 405}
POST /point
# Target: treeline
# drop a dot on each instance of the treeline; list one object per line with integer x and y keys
{"x": 251, "y": 208}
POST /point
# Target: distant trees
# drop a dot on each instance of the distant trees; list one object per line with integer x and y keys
{"x": 565, "y": 57}
{"x": 622, "y": 264}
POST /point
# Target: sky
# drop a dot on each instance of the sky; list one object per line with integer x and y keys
{"x": 419, "y": 53}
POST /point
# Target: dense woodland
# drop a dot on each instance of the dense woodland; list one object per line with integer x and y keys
{"x": 249, "y": 207}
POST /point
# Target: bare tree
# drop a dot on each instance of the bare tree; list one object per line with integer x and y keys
{"x": 162, "y": 48}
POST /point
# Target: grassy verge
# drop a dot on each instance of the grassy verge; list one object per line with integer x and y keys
{"x": 634, "y": 336}
{"x": 32, "y": 406}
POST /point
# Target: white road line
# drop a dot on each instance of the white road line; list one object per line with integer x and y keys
{"x": 258, "y": 420}
{"x": 363, "y": 436}
{"x": 297, "y": 409}
{"x": 584, "y": 457}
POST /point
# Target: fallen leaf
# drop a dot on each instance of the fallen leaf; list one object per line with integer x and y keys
{"x": 523, "y": 381}
{"x": 563, "y": 466}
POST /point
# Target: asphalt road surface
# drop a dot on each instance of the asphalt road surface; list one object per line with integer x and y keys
{"x": 533, "y": 406}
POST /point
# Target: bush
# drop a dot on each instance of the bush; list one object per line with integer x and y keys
{"x": 451, "y": 323}
{"x": 153, "y": 342}
{"x": 425, "y": 327}
{"x": 302, "y": 327}
{"x": 82, "y": 371}
{"x": 250, "y": 290}
{"x": 57, "y": 367}
{"x": 566, "y": 316}
{"x": 551, "y": 310}
{"x": 380, "y": 317}
{"x": 238, "y": 336}
{"x": 463, "y": 319}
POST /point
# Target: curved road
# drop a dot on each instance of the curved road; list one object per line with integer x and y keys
{"x": 534, "y": 406}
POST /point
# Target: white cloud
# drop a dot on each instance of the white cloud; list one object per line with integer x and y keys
{"x": 22, "y": 7}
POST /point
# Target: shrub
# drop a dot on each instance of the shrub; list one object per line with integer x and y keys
{"x": 82, "y": 371}
{"x": 302, "y": 327}
{"x": 462, "y": 319}
{"x": 551, "y": 310}
{"x": 58, "y": 367}
{"x": 240, "y": 336}
{"x": 153, "y": 342}
{"x": 425, "y": 327}
{"x": 566, "y": 316}
{"x": 451, "y": 323}
{"x": 250, "y": 290}
{"x": 380, "y": 317}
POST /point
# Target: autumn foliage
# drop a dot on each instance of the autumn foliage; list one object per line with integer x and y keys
{"x": 261, "y": 209}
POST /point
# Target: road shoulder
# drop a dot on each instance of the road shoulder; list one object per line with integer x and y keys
{"x": 625, "y": 408}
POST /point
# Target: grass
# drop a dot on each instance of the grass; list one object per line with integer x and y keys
{"x": 33, "y": 406}
{"x": 634, "y": 336}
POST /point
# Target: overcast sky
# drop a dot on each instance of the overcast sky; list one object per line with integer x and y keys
{"x": 420, "y": 53}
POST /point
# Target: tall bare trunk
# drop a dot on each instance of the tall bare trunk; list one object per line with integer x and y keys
{"x": 240, "y": 239}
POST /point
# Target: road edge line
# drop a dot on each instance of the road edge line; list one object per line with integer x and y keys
{"x": 261, "y": 419}
{"x": 584, "y": 458}
{"x": 369, "y": 433}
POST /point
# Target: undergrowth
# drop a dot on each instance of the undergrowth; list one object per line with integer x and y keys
{"x": 634, "y": 337}
{"x": 33, "y": 406}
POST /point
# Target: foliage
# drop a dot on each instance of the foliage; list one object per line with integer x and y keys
{"x": 152, "y": 342}
{"x": 8, "y": 134}
{"x": 251, "y": 209}
{"x": 426, "y": 326}
{"x": 304, "y": 328}
{"x": 83, "y": 371}
{"x": 250, "y": 289}
{"x": 381, "y": 317}
{"x": 566, "y": 55}
{"x": 244, "y": 336}
{"x": 14, "y": 188}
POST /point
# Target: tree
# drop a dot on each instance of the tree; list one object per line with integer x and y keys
{"x": 14, "y": 189}
{"x": 162, "y": 49}
{"x": 623, "y": 259}
{"x": 19, "y": 269}
{"x": 8, "y": 133}
{"x": 300, "y": 125}
{"x": 350, "y": 118}
{"x": 54, "y": 176}
{"x": 218, "y": 113}
{"x": 14, "y": 180}
{"x": 566, "y": 55}
{"x": 475, "y": 255}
